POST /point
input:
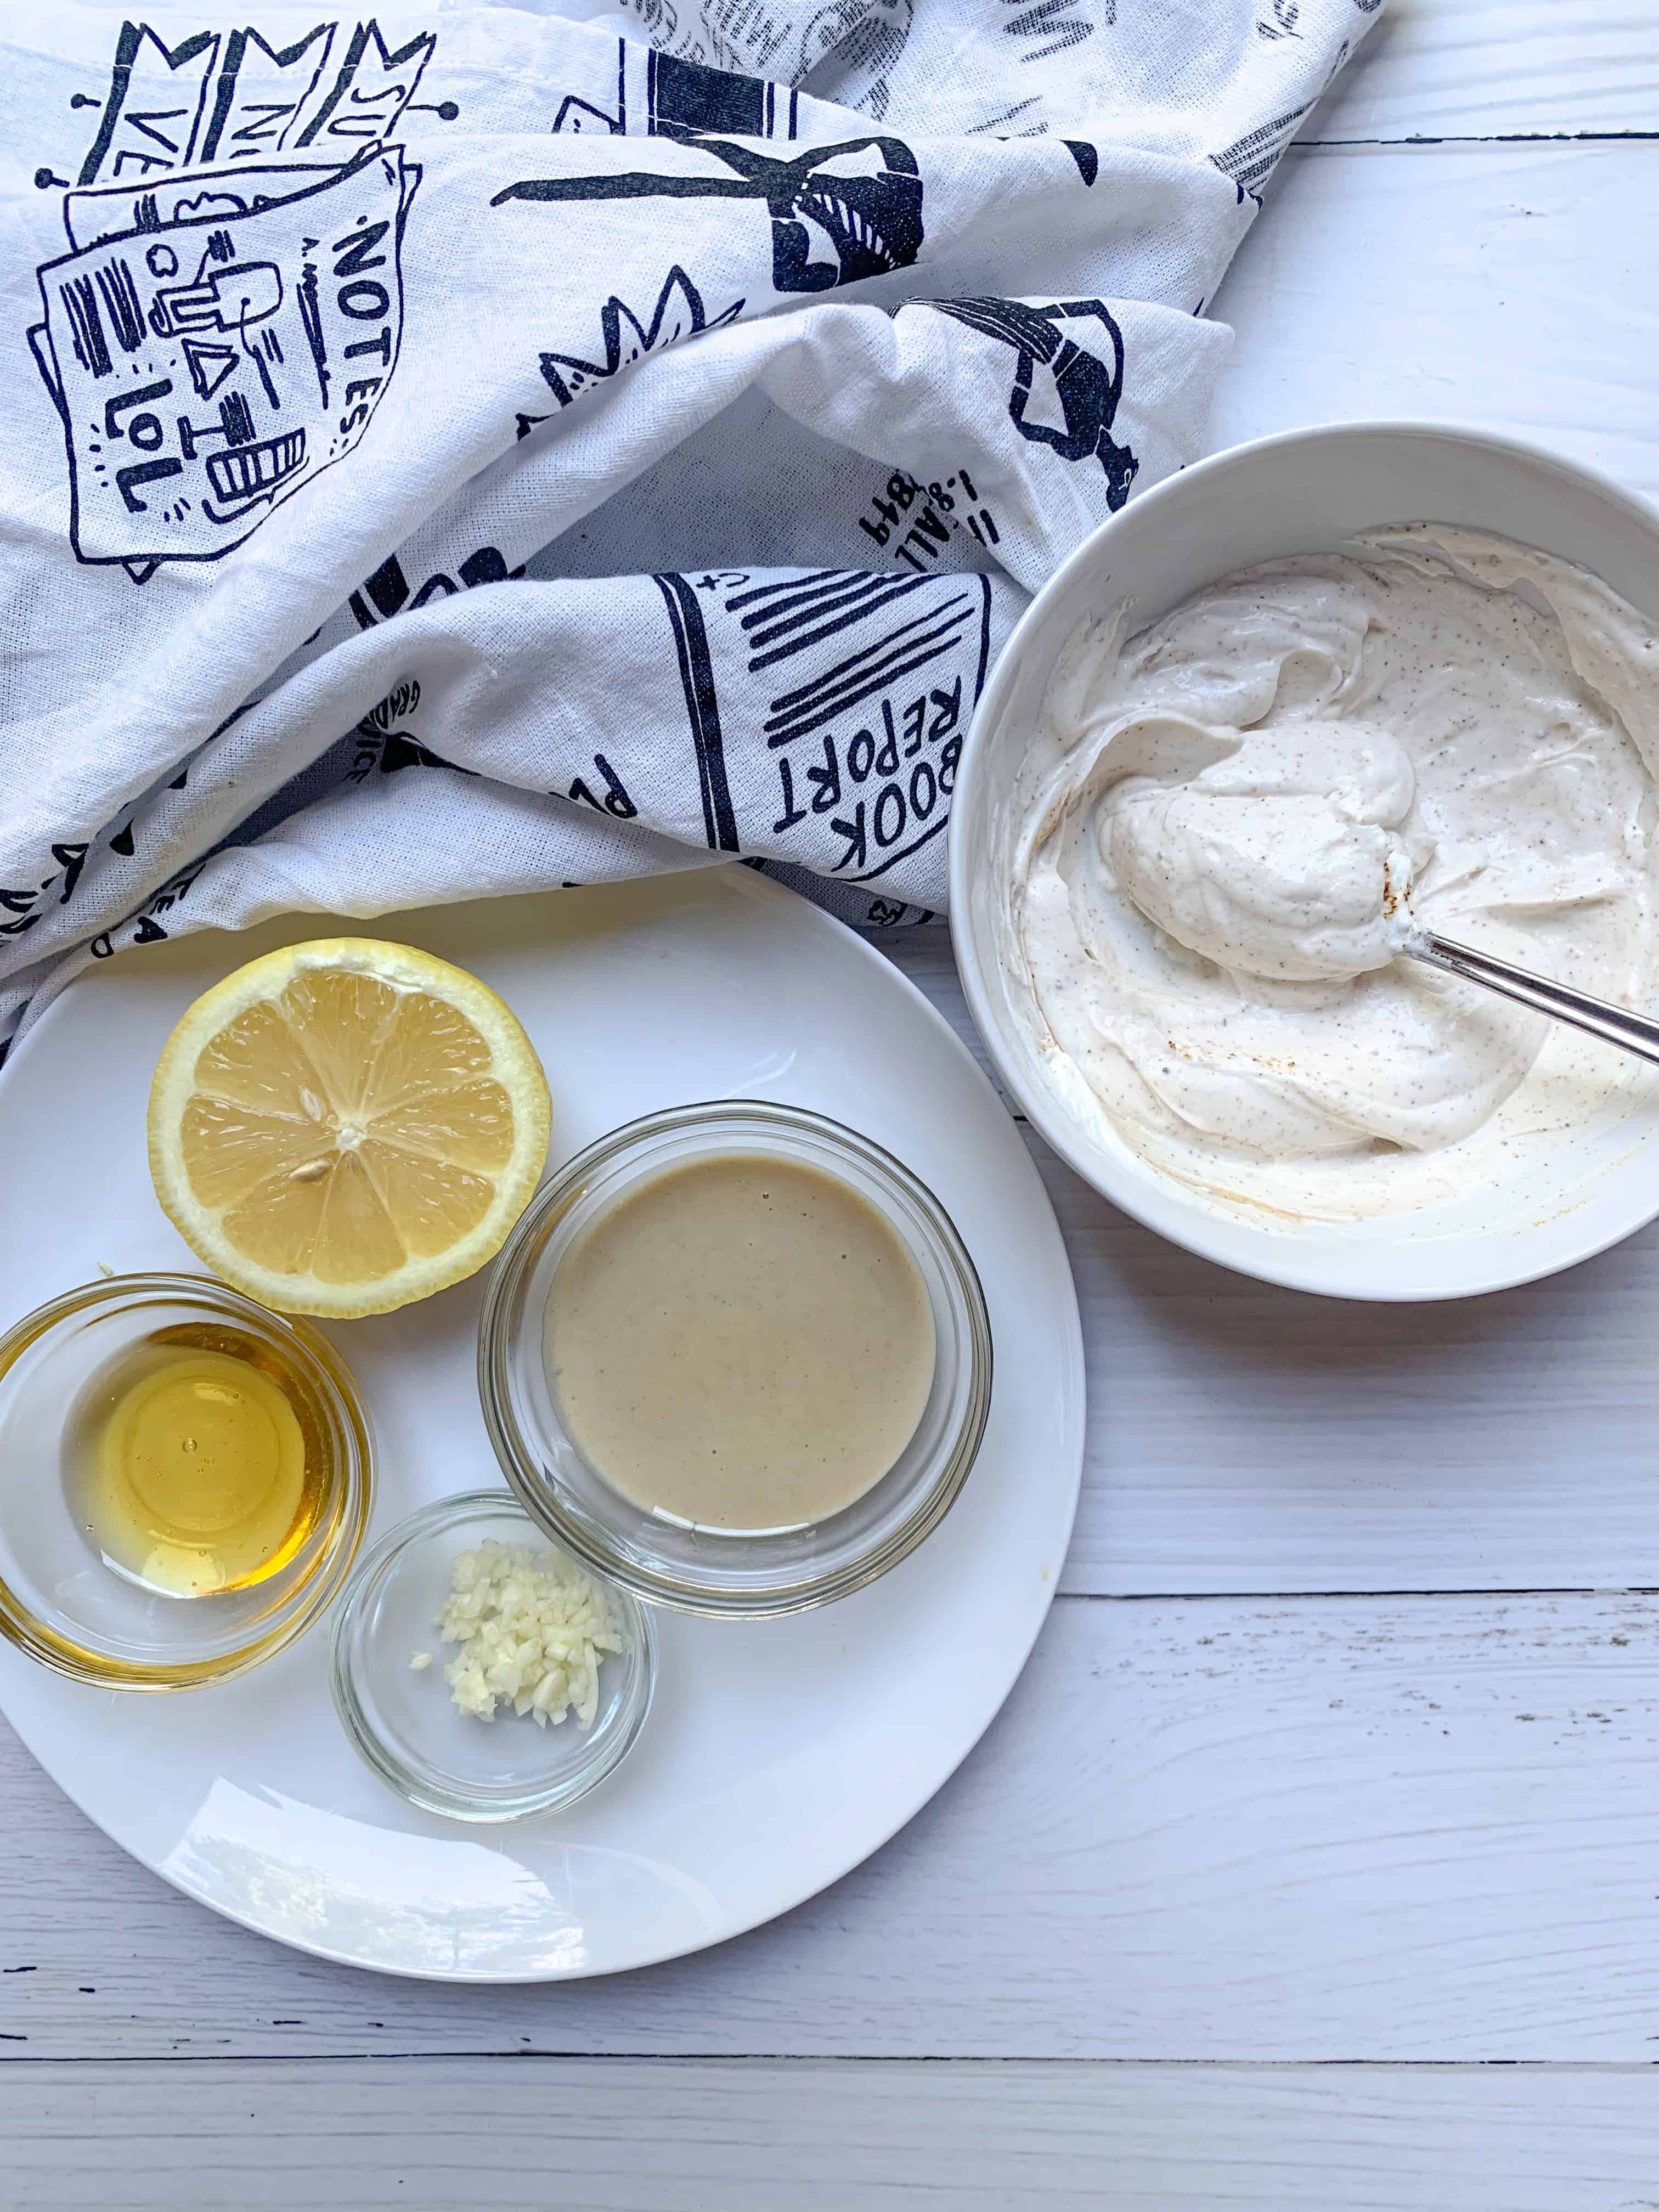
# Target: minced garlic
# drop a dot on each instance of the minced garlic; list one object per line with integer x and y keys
{"x": 532, "y": 1627}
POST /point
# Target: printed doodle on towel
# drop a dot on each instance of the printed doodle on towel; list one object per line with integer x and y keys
{"x": 780, "y": 43}
{"x": 854, "y": 688}
{"x": 866, "y": 57}
{"x": 1065, "y": 393}
{"x": 839, "y": 213}
{"x": 1249, "y": 161}
{"x": 377, "y": 743}
{"x": 626, "y": 338}
{"x": 230, "y": 310}
{"x": 662, "y": 95}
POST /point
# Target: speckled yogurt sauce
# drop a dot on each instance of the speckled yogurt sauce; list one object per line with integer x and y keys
{"x": 1229, "y": 820}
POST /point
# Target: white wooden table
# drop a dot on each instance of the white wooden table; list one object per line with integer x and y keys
{"x": 1315, "y": 1861}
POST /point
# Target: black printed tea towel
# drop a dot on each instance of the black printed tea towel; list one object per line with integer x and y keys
{"x": 462, "y": 451}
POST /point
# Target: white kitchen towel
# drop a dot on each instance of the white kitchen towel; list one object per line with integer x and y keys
{"x": 465, "y": 452}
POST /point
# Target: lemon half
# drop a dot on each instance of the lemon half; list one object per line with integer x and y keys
{"x": 343, "y": 1127}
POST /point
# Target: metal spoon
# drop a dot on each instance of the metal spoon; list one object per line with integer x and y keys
{"x": 1613, "y": 1024}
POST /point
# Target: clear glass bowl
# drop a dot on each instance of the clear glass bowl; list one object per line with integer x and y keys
{"x": 700, "y": 1570}
{"x": 405, "y": 1721}
{"x": 59, "y": 1600}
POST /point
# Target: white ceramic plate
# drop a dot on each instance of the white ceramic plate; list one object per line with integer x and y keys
{"x": 777, "y": 1754}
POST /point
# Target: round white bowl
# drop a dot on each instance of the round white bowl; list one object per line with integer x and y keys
{"x": 1306, "y": 491}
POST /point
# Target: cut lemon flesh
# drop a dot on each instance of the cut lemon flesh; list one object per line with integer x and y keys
{"x": 346, "y": 1126}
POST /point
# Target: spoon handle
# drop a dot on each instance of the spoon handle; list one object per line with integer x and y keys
{"x": 1613, "y": 1024}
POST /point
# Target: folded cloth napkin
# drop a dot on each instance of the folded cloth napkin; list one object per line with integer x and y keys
{"x": 760, "y": 356}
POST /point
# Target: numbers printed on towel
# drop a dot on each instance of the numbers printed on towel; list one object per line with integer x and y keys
{"x": 914, "y": 534}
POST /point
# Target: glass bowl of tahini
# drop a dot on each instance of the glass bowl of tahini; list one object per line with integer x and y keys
{"x": 736, "y": 1357}
{"x": 185, "y": 1480}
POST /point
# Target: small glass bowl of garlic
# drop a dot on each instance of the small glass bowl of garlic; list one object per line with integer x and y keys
{"x": 483, "y": 1674}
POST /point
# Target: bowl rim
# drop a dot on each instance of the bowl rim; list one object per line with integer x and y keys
{"x": 372, "y": 1747}
{"x": 541, "y": 1498}
{"x": 1135, "y": 1188}
{"x": 21, "y": 1627}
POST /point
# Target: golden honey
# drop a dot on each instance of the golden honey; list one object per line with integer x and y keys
{"x": 196, "y": 1461}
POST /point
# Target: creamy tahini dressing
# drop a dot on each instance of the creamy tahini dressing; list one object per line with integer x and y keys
{"x": 1227, "y": 822}
{"x": 743, "y": 1342}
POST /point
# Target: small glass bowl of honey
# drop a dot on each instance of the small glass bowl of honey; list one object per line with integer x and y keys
{"x": 185, "y": 1480}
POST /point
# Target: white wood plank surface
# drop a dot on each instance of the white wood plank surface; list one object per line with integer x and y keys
{"x": 1513, "y": 286}
{"x": 1488, "y": 68}
{"x": 597, "y": 2136}
{"x": 1251, "y": 1439}
{"x": 1311, "y": 1829}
